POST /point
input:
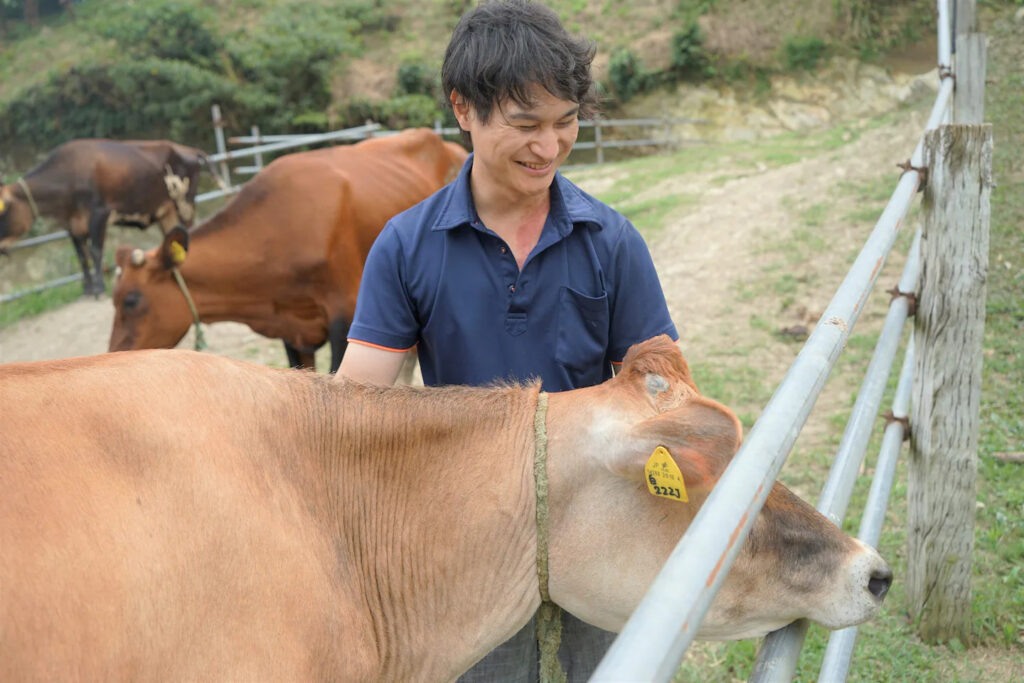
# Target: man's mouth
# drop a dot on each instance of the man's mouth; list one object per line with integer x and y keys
{"x": 535, "y": 167}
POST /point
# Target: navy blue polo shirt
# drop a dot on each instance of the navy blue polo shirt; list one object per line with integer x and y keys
{"x": 439, "y": 279}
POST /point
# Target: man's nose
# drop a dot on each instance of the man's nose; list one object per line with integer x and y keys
{"x": 545, "y": 144}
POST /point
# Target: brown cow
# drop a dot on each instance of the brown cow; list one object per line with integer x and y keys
{"x": 258, "y": 524}
{"x": 90, "y": 184}
{"x": 286, "y": 255}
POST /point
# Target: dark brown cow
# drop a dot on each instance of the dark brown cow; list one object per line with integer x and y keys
{"x": 90, "y": 184}
{"x": 169, "y": 515}
{"x": 286, "y": 255}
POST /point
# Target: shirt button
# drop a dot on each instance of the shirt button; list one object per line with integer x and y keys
{"x": 512, "y": 288}
{"x": 503, "y": 250}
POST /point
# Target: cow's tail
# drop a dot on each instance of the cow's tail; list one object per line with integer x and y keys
{"x": 205, "y": 160}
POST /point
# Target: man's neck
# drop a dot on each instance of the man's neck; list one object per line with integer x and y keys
{"x": 517, "y": 220}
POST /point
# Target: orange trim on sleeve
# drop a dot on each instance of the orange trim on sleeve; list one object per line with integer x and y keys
{"x": 378, "y": 346}
{"x": 617, "y": 362}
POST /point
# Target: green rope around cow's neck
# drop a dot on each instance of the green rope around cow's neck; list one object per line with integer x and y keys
{"x": 31, "y": 199}
{"x": 549, "y": 616}
{"x": 200, "y": 339}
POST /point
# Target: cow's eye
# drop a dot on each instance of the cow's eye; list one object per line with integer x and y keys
{"x": 130, "y": 302}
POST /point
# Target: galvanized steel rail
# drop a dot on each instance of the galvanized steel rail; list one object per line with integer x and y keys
{"x": 780, "y": 652}
{"x": 839, "y": 651}
{"x": 656, "y": 637}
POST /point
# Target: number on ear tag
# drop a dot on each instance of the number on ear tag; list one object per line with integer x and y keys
{"x": 663, "y": 476}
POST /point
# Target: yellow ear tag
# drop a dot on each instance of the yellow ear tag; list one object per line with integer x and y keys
{"x": 1, "y": 206}
{"x": 177, "y": 253}
{"x": 663, "y": 476}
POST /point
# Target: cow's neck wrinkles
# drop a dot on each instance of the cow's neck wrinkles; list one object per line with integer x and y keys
{"x": 454, "y": 490}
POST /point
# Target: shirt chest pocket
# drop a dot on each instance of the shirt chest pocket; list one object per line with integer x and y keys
{"x": 582, "y": 330}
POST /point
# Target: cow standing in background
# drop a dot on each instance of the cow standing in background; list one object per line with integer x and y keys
{"x": 257, "y": 524}
{"x": 284, "y": 256}
{"x": 89, "y": 184}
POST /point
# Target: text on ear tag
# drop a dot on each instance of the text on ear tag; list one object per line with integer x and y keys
{"x": 663, "y": 476}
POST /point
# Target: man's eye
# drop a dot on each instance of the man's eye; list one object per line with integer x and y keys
{"x": 566, "y": 124}
{"x": 527, "y": 129}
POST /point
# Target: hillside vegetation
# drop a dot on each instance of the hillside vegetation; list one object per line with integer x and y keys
{"x": 152, "y": 68}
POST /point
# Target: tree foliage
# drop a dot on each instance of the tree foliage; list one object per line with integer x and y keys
{"x": 276, "y": 73}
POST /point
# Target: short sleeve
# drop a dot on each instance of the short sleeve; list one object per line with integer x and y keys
{"x": 637, "y": 301}
{"x": 385, "y": 313}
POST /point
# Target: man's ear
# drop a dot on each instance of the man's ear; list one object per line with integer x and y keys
{"x": 174, "y": 248}
{"x": 461, "y": 109}
{"x": 701, "y": 436}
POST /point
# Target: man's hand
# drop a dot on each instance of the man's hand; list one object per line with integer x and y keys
{"x": 371, "y": 364}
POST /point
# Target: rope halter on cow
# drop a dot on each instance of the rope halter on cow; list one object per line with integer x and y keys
{"x": 31, "y": 199}
{"x": 549, "y": 616}
{"x": 178, "y": 256}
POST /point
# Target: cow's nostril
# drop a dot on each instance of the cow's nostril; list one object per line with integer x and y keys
{"x": 879, "y": 582}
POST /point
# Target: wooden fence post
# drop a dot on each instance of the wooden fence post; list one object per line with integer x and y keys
{"x": 218, "y": 134}
{"x": 969, "y": 65}
{"x": 948, "y": 330}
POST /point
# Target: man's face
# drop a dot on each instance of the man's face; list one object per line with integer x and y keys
{"x": 518, "y": 150}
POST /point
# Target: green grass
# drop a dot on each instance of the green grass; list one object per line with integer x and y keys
{"x": 40, "y": 302}
{"x": 888, "y": 648}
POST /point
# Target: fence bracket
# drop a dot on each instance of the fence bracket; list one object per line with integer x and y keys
{"x": 946, "y": 72}
{"x": 905, "y": 421}
{"x": 922, "y": 172}
{"x": 910, "y": 296}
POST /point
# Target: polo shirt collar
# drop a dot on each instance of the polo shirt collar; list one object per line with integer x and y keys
{"x": 568, "y": 204}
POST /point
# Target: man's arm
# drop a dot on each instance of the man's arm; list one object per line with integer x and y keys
{"x": 371, "y": 364}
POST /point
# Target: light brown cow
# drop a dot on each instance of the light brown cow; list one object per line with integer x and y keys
{"x": 286, "y": 255}
{"x": 247, "y": 523}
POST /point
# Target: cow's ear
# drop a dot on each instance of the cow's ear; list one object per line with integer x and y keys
{"x": 701, "y": 436}
{"x": 175, "y": 247}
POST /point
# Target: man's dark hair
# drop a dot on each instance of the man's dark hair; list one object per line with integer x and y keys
{"x": 499, "y": 49}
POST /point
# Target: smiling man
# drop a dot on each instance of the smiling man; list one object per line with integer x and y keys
{"x": 511, "y": 272}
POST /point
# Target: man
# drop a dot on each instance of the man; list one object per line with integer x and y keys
{"x": 511, "y": 272}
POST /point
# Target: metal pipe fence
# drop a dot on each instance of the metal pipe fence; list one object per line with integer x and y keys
{"x": 657, "y": 635}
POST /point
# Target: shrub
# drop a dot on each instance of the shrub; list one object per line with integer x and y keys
{"x": 626, "y": 74}
{"x": 291, "y": 55}
{"x": 144, "y": 98}
{"x": 688, "y": 57}
{"x": 803, "y": 53}
{"x": 168, "y": 29}
{"x": 416, "y": 79}
{"x": 404, "y": 111}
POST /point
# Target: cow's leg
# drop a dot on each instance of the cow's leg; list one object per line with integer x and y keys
{"x": 293, "y": 356}
{"x": 83, "y": 259}
{"x": 97, "y": 235}
{"x": 300, "y": 359}
{"x": 337, "y": 334}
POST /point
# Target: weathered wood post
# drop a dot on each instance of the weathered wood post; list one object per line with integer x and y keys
{"x": 969, "y": 103}
{"x": 948, "y": 330}
{"x": 218, "y": 134}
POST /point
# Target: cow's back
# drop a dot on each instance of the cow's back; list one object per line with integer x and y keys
{"x": 175, "y": 545}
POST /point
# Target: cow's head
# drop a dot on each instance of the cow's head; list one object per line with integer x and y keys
{"x": 150, "y": 310}
{"x": 15, "y": 216}
{"x": 611, "y": 535}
